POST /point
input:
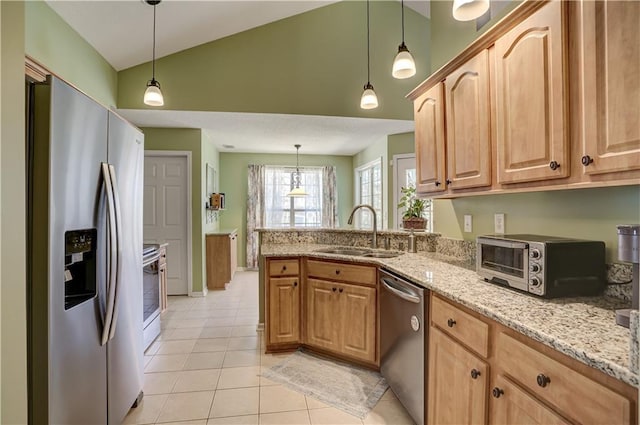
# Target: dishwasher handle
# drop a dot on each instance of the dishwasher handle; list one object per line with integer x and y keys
{"x": 399, "y": 291}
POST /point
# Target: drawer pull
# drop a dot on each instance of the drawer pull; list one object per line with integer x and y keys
{"x": 497, "y": 392}
{"x": 284, "y": 268}
{"x": 475, "y": 373}
{"x": 337, "y": 271}
{"x": 451, "y": 322}
{"x": 295, "y": 283}
{"x": 543, "y": 380}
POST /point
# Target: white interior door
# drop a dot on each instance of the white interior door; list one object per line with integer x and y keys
{"x": 166, "y": 213}
{"x": 404, "y": 175}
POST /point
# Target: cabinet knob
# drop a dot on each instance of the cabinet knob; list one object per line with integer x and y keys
{"x": 437, "y": 183}
{"x": 334, "y": 289}
{"x": 554, "y": 165}
{"x": 542, "y": 380}
{"x": 337, "y": 271}
{"x": 295, "y": 283}
{"x": 451, "y": 322}
{"x": 497, "y": 392}
{"x": 586, "y": 160}
{"x": 448, "y": 181}
{"x": 341, "y": 289}
{"x": 284, "y": 268}
{"x": 475, "y": 373}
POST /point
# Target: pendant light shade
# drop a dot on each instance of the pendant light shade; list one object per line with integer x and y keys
{"x": 468, "y": 10}
{"x": 297, "y": 191}
{"x": 403, "y": 65}
{"x": 153, "y": 94}
{"x": 369, "y": 100}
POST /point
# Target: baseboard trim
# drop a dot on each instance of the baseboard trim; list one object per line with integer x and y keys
{"x": 199, "y": 294}
{"x": 260, "y": 327}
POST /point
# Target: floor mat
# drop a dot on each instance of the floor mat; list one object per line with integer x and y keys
{"x": 346, "y": 387}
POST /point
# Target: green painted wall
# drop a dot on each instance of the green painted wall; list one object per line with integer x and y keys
{"x": 449, "y": 37}
{"x": 233, "y": 182}
{"x": 186, "y": 139}
{"x": 53, "y": 43}
{"x": 313, "y": 63}
{"x": 13, "y": 292}
{"x": 210, "y": 220}
{"x": 581, "y": 213}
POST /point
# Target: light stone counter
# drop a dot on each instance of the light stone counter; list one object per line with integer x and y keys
{"x": 583, "y": 328}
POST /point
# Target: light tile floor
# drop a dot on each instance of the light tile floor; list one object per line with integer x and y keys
{"x": 204, "y": 369}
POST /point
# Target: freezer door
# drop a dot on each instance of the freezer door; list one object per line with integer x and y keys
{"x": 125, "y": 352}
{"x": 67, "y": 363}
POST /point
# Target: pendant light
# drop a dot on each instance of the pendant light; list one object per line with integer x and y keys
{"x": 153, "y": 95}
{"x": 297, "y": 191}
{"x": 369, "y": 100}
{"x": 403, "y": 65}
{"x": 468, "y": 10}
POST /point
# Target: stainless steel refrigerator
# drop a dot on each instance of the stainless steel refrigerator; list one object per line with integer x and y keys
{"x": 85, "y": 262}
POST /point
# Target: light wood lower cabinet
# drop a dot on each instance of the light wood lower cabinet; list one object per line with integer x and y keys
{"x": 221, "y": 258}
{"x": 321, "y": 315}
{"x": 457, "y": 383}
{"x": 283, "y": 296}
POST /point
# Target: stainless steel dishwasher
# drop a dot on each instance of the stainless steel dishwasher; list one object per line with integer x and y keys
{"x": 403, "y": 335}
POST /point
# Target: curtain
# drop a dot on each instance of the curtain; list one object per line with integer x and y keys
{"x": 255, "y": 212}
{"x": 329, "y": 197}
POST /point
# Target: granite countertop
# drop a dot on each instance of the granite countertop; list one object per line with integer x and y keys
{"x": 341, "y": 230}
{"x": 583, "y": 328}
{"x": 223, "y": 232}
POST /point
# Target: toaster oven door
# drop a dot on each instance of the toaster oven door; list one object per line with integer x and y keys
{"x": 503, "y": 261}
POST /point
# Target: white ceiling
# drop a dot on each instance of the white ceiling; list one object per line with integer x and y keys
{"x": 276, "y": 133}
{"x": 121, "y": 31}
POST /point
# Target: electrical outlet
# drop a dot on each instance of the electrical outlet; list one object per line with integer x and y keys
{"x": 468, "y": 225}
{"x": 498, "y": 223}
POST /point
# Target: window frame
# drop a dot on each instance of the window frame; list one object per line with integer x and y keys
{"x": 291, "y": 170}
{"x": 381, "y": 218}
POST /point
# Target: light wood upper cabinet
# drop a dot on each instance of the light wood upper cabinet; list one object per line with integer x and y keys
{"x": 428, "y": 111}
{"x": 511, "y": 405}
{"x": 284, "y": 310}
{"x": 468, "y": 126}
{"x": 532, "y": 140}
{"x": 611, "y": 86}
{"x": 455, "y": 396}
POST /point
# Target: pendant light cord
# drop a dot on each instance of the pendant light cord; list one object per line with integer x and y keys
{"x": 368, "y": 48}
{"x": 402, "y": 8}
{"x": 153, "y": 62}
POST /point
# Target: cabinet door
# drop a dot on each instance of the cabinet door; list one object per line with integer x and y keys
{"x": 468, "y": 125}
{"x": 322, "y": 314}
{"x": 455, "y": 396}
{"x": 358, "y": 317}
{"x": 611, "y": 85}
{"x": 531, "y": 111}
{"x": 428, "y": 112}
{"x": 514, "y": 406}
{"x": 284, "y": 310}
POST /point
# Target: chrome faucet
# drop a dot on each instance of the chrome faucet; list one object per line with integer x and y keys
{"x": 374, "y": 237}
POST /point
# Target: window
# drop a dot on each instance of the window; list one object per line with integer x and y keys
{"x": 369, "y": 191}
{"x": 404, "y": 166}
{"x": 285, "y": 211}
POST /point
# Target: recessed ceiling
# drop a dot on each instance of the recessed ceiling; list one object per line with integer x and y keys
{"x": 276, "y": 133}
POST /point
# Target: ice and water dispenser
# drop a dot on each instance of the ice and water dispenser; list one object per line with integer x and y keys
{"x": 79, "y": 266}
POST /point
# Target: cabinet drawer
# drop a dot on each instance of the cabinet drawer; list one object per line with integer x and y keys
{"x": 287, "y": 267}
{"x": 343, "y": 272}
{"x": 462, "y": 326}
{"x": 572, "y": 394}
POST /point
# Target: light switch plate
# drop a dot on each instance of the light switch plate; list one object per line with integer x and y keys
{"x": 468, "y": 223}
{"x": 498, "y": 223}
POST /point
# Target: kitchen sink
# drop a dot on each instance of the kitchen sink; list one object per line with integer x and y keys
{"x": 345, "y": 251}
{"x": 361, "y": 252}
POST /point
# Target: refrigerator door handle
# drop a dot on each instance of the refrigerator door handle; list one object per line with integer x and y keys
{"x": 118, "y": 235}
{"x": 112, "y": 266}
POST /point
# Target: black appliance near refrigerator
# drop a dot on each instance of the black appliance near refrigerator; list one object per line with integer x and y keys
{"x": 85, "y": 262}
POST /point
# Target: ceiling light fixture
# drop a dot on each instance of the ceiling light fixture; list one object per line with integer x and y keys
{"x": 297, "y": 191}
{"x": 153, "y": 95}
{"x": 468, "y": 10}
{"x": 403, "y": 65}
{"x": 369, "y": 100}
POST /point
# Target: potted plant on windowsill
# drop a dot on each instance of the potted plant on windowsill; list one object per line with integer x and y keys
{"x": 413, "y": 217}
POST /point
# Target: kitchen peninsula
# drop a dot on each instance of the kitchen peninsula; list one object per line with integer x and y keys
{"x": 575, "y": 340}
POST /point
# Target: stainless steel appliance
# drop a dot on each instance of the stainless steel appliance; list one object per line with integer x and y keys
{"x": 403, "y": 335}
{"x": 150, "y": 294}
{"x": 547, "y": 266}
{"x": 85, "y": 261}
{"x": 629, "y": 251}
